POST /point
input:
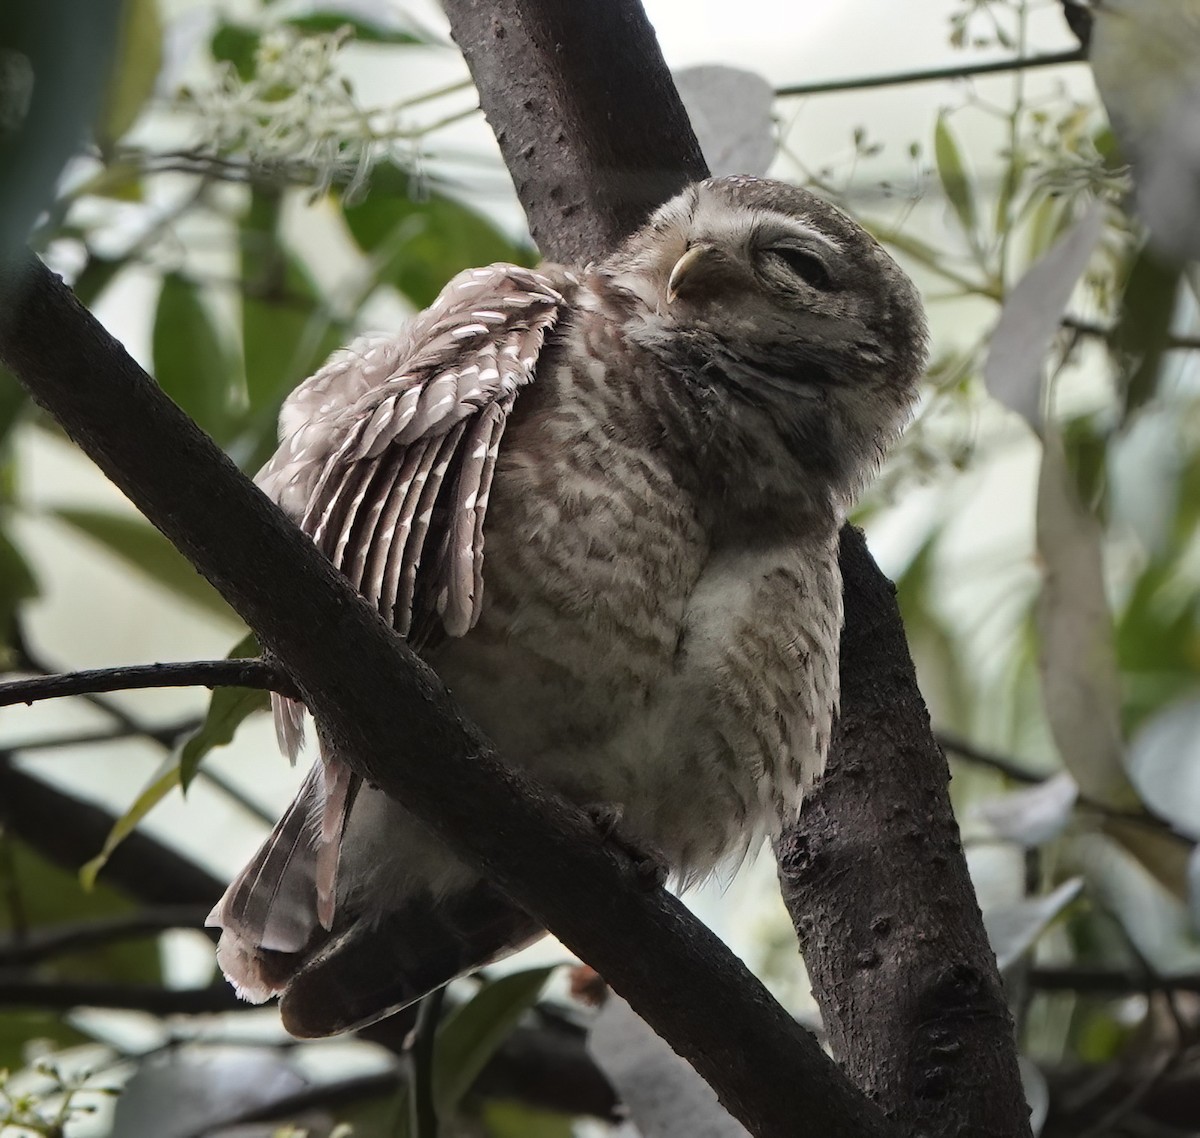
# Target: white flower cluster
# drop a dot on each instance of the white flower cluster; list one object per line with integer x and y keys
{"x": 296, "y": 114}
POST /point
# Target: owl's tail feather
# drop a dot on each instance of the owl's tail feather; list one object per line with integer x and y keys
{"x": 375, "y": 968}
{"x": 282, "y": 903}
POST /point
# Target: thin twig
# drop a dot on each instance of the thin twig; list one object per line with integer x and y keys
{"x": 1108, "y": 981}
{"x": 965, "y": 749}
{"x": 42, "y": 943}
{"x": 116, "y": 733}
{"x": 18, "y": 990}
{"x": 932, "y": 74}
{"x": 1104, "y": 332}
{"x": 187, "y": 673}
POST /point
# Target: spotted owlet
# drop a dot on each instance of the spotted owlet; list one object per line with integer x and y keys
{"x": 604, "y": 504}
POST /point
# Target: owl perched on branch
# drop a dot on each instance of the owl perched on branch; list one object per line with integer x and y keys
{"x": 604, "y": 504}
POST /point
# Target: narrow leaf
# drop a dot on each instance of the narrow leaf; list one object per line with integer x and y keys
{"x": 1080, "y": 682}
{"x": 956, "y": 184}
{"x": 1140, "y": 338}
{"x": 1031, "y": 318}
{"x": 227, "y": 708}
{"x": 1035, "y": 815}
{"x": 474, "y": 1031}
{"x": 1014, "y": 928}
{"x": 164, "y": 780}
{"x": 135, "y": 69}
{"x": 286, "y": 331}
{"x": 191, "y": 363}
{"x": 141, "y": 546}
{"x": 419, "y": 244}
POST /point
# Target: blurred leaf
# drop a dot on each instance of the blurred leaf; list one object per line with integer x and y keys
{"x": 1013, "y": 929}
{"x": 190, "y": 361}
{"x": 96, "y": 276}
{"x": 420, "y": 244}
{"x": 1080, "y": 683}
{"x": 1030, "y": 320}
{"x": 515, "y": 1120}
{"x": 140, "y": 545}
{"x": 732, "y": 113}
{"x": 192, "y": 1090}
{"x": 1037, "y": 1093}
{"x": 227, "y": 708}
{"x": 287, "y": 332}
{"x": 1164, "y": 763}
{"x": 365, "y": 30}
{"x": 134, "y": 71}
{"x": 1034, "y": 815}
{"x": 663, "y": 1094}
{"x": 956, "y": 184}
{"x": 54, "y": 64}
{"x": 49, "y": 895}
{"x": 236, "y": 44}
{"x": 1086, "y": 452}
{"x": 1163, "y": 854}
{"x": 19, "y": 1029}
{"x": 164, "y": 780}
{"x": 1143, "y": 328}
{"x": 474, "y": 1031}
{"x": 17, "y": 584}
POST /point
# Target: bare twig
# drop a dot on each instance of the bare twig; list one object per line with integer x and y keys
{"x": 1106, "y": 332}
{"x": 932, "y": 74}
{"x": 45, "y": 942}
{"x": 189, "y": 673}
{"x": 21, "y": 991}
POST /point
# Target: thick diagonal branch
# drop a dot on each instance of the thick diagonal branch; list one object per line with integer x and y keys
{"x": 389, "y": 716}
{"x": 578, "y": 95}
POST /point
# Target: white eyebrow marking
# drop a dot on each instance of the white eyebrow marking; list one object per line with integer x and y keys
{"x": 793, "y": 227}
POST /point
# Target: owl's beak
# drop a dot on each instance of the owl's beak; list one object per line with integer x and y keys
{"x": 687, "y": 267}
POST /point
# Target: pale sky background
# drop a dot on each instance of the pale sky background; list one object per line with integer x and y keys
{"x": 93, "y": 613}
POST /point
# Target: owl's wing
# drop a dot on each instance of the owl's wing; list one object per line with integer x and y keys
{"x": 386, "y": 461}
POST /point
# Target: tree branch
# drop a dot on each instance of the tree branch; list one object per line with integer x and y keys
{"x": 21, "y": 991}
{"x": 188, "y": 673}
{"x": 933, "y": 74}
{"x": 595, "y": 72}
{"x": 46, "y": 942}
{"x": 386, "y": 714}
{"x": 69, "y": 832}
{"x": 876, "y": 881}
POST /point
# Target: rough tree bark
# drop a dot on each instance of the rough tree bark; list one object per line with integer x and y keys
{"x": 597, "y": 66}
{"x": 874, "y": 874}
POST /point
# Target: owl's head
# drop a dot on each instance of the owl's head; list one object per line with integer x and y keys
{"x": 784, "y": 309}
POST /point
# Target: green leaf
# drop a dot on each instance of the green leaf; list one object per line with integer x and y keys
{"x": 227, "y": 708}
{"x": 17, "y": 584}
{"x": 474, "y": 1031}
{"x": 163, "y": 781}
{"x": 236, "y": 44}
{"x": 956, "y": 184}
{"x": 49, "y": 895}
{"x": 470, "y": 1036}
{"x": 1140, "y": 337}
{"x": 135, "y": 69}
{"x": 364, "y": 30}
{"x": 96, "y": 276}
{"x": 140, "y": 545}
{"x": 287, "y": 332}
{"x": 19, "y": 1029}
{"x": 516, "y": 1120}
{"x": 190, "y": 361}
{"x": 420, "y": 244}
{"x": 13, "y": 400}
